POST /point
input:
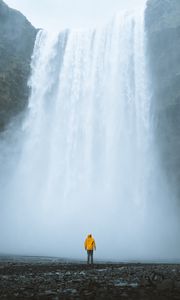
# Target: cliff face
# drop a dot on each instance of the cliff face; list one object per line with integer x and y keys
{"x": 17, "y": 38}
{"x": 163, "y": 35}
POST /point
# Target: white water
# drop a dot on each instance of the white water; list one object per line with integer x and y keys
{"x": 86, "y": 157}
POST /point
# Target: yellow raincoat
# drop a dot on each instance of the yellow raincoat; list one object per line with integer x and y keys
{"x": 89, "y": 243}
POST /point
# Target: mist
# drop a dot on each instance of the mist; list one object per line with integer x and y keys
{"x": 82, "y": 157}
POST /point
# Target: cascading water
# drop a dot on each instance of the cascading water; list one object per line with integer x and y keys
{"x": 86, "y": 155}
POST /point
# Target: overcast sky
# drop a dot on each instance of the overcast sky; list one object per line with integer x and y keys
{"x": 59, "y": 14}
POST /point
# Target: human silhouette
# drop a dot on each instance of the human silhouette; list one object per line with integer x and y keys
{"x": 89, "y": 246}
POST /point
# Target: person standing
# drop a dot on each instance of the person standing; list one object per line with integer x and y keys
{"x": 89, "y": 246}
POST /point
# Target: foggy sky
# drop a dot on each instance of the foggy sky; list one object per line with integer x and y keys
{"x": 59, "y": 14}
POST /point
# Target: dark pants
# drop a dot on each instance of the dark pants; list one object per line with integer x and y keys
{"x": 90, "y": 256}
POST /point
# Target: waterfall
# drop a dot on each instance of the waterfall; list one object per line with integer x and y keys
{"x": 86, "y": 153}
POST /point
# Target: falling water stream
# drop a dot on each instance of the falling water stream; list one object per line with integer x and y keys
{"x": 86, "y": 157}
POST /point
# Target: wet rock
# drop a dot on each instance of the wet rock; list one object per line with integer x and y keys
{"x": 165, "y": 285}
{"x": 56, "y": 280}
{"x": 124, "y": 295}
{"x": 177, "y": 284}
{"x": 50, "y": 293}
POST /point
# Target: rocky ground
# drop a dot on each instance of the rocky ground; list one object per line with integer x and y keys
{"x": 40, "y": 278}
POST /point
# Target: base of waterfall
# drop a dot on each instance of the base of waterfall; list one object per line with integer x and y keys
{"x": 51, "y": 278}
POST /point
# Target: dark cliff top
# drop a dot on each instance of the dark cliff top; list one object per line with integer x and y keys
{"x": 7, "y": 12}
{"x": 162, "y": 14}
{"x": 15, "y": 32}
{"x": 17, "y": 37}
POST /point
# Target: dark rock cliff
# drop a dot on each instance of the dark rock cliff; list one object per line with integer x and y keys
{"x": 17, "y": 38}
{"x": 163, "y": 36}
